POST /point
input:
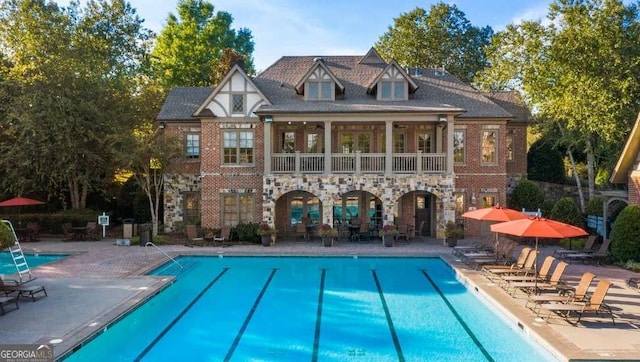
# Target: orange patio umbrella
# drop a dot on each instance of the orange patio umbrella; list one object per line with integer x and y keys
{"x": 20, "y": 201}
{"x": 538, "y": 227}
{"x": 495, "y": 213}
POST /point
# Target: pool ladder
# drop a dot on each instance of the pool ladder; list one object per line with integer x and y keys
{"x": 149, "y": 243}
{"x": 17, "y": 255}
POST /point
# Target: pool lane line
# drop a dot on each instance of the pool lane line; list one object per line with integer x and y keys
{"x": 458, "y": 317}
{"x": 179, "y": 316}
{"x": 392, "y": 329}
{"x": 316, "y": 337}
{"x": 236, "y": 340}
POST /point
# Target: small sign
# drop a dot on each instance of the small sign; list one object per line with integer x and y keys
{"x": 103, "y": 220}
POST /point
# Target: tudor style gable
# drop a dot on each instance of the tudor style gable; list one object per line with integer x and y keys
{"x": 319, "y": 83}
{"x": 392, "y": 84}
{"x": 235, "y": 96}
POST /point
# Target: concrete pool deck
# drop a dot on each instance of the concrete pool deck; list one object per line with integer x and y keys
{"x": 101, "y": 281}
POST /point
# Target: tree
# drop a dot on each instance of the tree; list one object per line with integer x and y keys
{"x": 544, "y": 163}
{"x": 69, "y": 88}
{"x": 566, "y": 211}
{"x": 189, "y": 48}
{"x": 526, "y": 195}
{"x": 580, "y": 74}
{"x": 441, "y": 37}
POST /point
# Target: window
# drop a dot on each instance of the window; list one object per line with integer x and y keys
{"x": 458, "y": 146}
{"x": 192, "y": 145}
{"x": 319, "y": 91}
{"x": 237, "y": 208}
{"x": 237, "y": 105}
{"x": 424, "y": 142}
{"x": 399, "y": 142}
{"x": 488, "y": 200}
{"x": 191, "y": 207}
{"x": 509, "y": 140}
{"x": 392, "y": 90}
{"x": 489, "y": 147}
{"x": 356, "y": 141}
{"x": 288, "y": 142}
{"x": 314, "y": 143}
{"x": 238, "y": 147}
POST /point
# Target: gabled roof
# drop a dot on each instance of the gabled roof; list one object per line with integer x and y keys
{"x": 512, "y": 102}
{"x": 318, "y": 63}
{"x": 628, "y": 155}
{"x": 372, "y": 57}
{"x": 412, "y": 85}
{"x": 182, "y": 102}
{"x": 235, "y": 69}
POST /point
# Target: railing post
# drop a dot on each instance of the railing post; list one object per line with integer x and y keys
{"x": 267, "y": 148}
{"x": 327, "y": 148}
{"x": 419, "y": 163}
{"x": 358, "y": 162}
{"x": 297, "y": 164}
{"x": 388, "y": 151}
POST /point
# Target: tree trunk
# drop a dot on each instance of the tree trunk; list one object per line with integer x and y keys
{"x": 575, "y": 174}
{"x": 591, "y": 164}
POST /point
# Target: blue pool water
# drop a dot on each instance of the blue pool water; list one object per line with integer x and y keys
{"x": 311, "y": 309}
{"x": 33, "y": 260}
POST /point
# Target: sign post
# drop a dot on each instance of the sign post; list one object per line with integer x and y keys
{"x": 104, "y": 221}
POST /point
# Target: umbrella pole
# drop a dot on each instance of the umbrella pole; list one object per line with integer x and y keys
{"x": 535, "y": 270}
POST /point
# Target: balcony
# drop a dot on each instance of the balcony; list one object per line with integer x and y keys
{"x": 358, "y": 163}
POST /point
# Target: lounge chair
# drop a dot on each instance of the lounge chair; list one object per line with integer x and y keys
{"x": 594, "y": 304}
{"x": 192, "y": 235}
{"x": 534, "y": 287}
{"x": 527, "y": 267}
{"x": 595, "y": 257}
{"x": 224, "y": 234}
{"x": 543, "y": 274}
{"x": 8, "y": 300}
{"x": 503, "y": 254}
{"x": 634, "y": 283}
{"x": 588, "y": 248}
{"x": 9, "y": 287}
{"x": 566, "y": 294}
{"x": 484, "y": 245}
{"x": 519, "y": 263}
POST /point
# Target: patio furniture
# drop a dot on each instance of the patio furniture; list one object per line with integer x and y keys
{"x": 595, "y": 304}
{"x": 10, "y": 287}
{"x": 5, "y": 301}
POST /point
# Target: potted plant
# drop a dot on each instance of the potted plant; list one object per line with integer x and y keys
{"x": 7, "y": 239}
{"x": 267, "y": 233}
{"x": 453, "y": 233}
{"x": 327, "y": 233}
{"x": 388, "y": 233}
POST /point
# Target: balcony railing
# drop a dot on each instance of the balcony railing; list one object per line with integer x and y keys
{"x": 359, "y": 163}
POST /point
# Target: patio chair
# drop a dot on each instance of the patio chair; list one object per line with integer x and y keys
{"x": 67, "y": 230}
{"x": 634, "y": 283}
{"x": 403, "y": 233}
{"x": 192, "y": 236}
{"x": 503, "y": 254}
{"x": 588, "y": 246}
{"x": 542, "y": 275}
{"x": 5, "y": 301}
{"x": 519, "y": 263}
{"x": 527, "y": 267}
{"x": 594, "y": 257}
{"x": 93, "y": 232}
{"x": 225, "y": 232}
{"x": 566, "y": 293}
{"x": 301, "y": 231}
{"x": 534, "y": 287}
{"x": 33, "y": 231}
{"x": 595, "y": 304}
{"x": 9, "y": 287}
{"x": 487, "y": 244}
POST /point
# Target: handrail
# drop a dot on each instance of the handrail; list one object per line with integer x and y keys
{"x": 163, "y": 252}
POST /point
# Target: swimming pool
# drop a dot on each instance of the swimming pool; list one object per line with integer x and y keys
{"x": 311, "y": 309}
{"x": 33, "y": 260}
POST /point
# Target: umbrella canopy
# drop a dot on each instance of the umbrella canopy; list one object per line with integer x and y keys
{"x": 495, "y": 213}
{"x": 20, "y": 201}
{"x": 538, "y": 227}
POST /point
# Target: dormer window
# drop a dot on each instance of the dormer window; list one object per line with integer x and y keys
{"x": 319, "y": 90}
{"x": 393, "y": 90}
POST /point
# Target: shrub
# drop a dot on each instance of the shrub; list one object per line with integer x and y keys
{"x": 594, "y": 206}
{"x": 246, "y": 232}
{"x": 526, "y": 195}
{"x": 625, "y": 235}
{"x": 7, "y": 238}
{"x": 566, "y": 211}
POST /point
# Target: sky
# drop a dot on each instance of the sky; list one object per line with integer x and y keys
{"x": 333, "y": 27}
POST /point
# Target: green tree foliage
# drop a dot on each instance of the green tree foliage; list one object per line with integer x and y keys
{"x": 189, "y": 48}
{"x": 594, "y": 207}
{"x": 440, "y": 37}
{"x": 526, "y": 195}
{"x": 545, "y": 163}
{"x": 565, "y": 210}
{"x": 580, "y": 73}
{"x": 69, "y": 78}
{"x": 625, "y": 235}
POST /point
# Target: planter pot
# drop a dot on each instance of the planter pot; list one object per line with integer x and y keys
{"x": 451, "y": 242}
{"x": 266, "y": 240}
{"x": 387, "y": 240}
{"x": 327, "y": 241}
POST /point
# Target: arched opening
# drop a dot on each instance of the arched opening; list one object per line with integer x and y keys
{"x": 417, "y": 209}
{"x": 297, "y": 207}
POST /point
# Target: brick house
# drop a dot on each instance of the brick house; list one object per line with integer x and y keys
{"x": 337, "y": 138}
